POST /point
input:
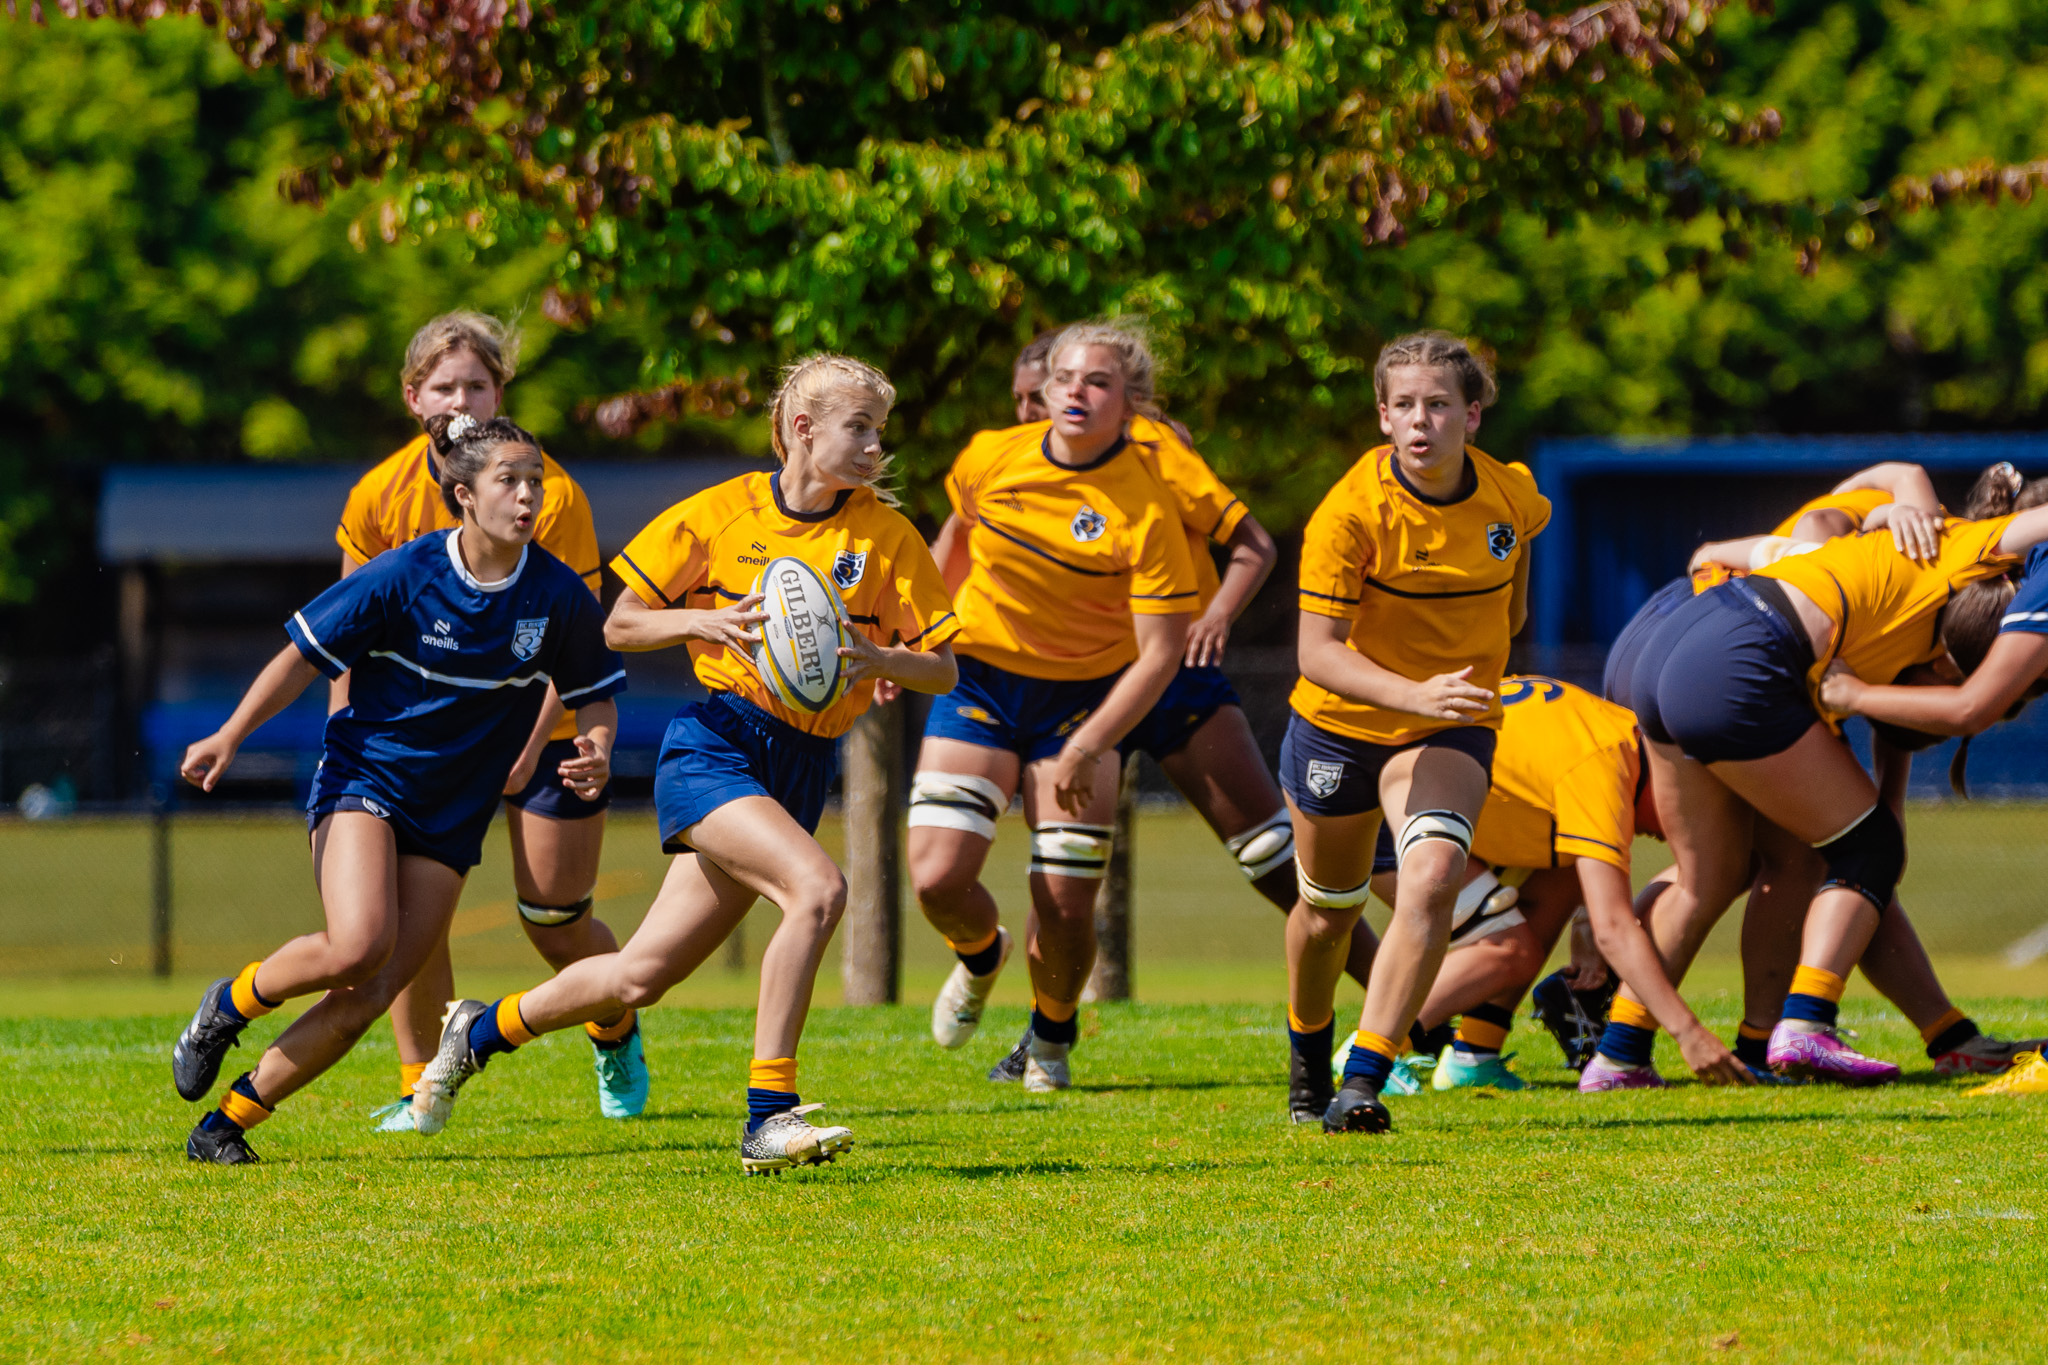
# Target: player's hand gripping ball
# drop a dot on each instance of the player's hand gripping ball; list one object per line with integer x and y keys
{"x": 798, "y": 657}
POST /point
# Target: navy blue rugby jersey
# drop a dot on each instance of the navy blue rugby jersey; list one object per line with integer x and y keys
{"x": 2028, "y": 610}
{"x": 448, "y": 674}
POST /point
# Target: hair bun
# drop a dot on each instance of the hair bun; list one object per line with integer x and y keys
{"x": 460, "y": 425}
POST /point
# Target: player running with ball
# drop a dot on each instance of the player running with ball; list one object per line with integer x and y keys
{"x": 453, "y": 641}
{"x": 742, "y": 777}
{"x": 1414, "y": 575}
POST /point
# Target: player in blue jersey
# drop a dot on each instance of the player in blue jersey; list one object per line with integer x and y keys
{"x": 451, "y": 641}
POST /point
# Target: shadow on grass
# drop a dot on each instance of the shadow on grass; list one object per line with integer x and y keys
{"x": 1729, "y": 1120}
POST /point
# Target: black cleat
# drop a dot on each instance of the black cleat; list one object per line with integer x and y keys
{"x": 195, "y": 1061}
{"x": 1575, "y": 1018}
{"x": 1309, "y": 1088}
{"x": 225, "y": 1145}
{"x": 1011, "y": 1068}
{"x": 1357, "y": 1109}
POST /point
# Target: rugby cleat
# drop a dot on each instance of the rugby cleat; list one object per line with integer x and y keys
{"x": 956, "y": 1014}
{"x": 1985, "y": 1055}
{"x": 787, "y": 1139}
{"x": 394, "y": 1118}
{"x": 622, "y": 1077}
{"x": 1602, "y": 1074}
{"x": 1574, "y": 1018}
{"x": 223, "y": 1145}
{"x": 1763, "y": 1075}
{"x": 1309, "y": 1088}
{"x": 1455, "y": 1073}
{"x": 196, "y": 1059}
{"x": 1401, "y": 1079}
{"x": 2028, "y": 1076}
{"x": 433, "y": 1095}
{"x": 1821, "y": 1055}
{"x": 1045, "y": 1067}
{"x": 1011, "y": 1068}
{"x": 1357, "y": 1108}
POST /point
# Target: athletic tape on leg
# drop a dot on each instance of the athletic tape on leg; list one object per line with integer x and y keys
{"x": 1329, "y": 897}
{"x": 956, "y": 801}
{"x": 1072, "y": 850}
{"x": 1264, "y": 847}
{"x": 1446, "y": 825}
{"x": 553, "y": 916}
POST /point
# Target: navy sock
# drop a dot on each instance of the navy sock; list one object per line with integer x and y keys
{"x": 1314, "y": 1046}
{"x": 615, "y": 1044}
{"x": 1752, "y": 1051}
{"x": 985, "y": 961}
{"x": 1812, "y": 1008}
{"x": 764, "y": 1104}
{"x": 226, "y": 1001}
{"x": 1055, "y": 1030}
{"x": 1626, "y": 1044}
{"x": 1953, "y": 1037}
{"x": 217, "y": 1122}
{"x": 1366, "y": 1065}
{"x": 486, "y": 1038}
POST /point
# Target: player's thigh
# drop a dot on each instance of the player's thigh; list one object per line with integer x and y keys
{"x": 759, "y": 845}
{"x": 1223, "y": 775}
{"x": 698, "y": 906}
{"x": 1041, "y": 807}
{"x": 1335, "y": 850}
{"x": 1814, "y": 790}
{"x": 1548, "y": 899}
{"x": 1432, "y": 777}
{"x": 1708, "y": 824}
{"x": 554, "y": 862}
{"x": 355, "y": 868}
{"x": 427, "y": 895}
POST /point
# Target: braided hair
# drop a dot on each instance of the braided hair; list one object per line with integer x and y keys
{"x": 463, "y": 446}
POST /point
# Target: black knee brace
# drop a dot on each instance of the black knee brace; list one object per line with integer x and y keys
{"x": 1868, "y": 857}
{"x": 553, "y": 916}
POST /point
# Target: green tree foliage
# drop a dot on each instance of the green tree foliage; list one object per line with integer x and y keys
{"x": 927, "y": 183}
{"x": 160, "y": 301}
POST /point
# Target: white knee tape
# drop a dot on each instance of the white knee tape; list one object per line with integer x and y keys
{"x": 1263, "y": 848}
{"x": 1329, "y": 897}
{"x": 552, "y": 916}
{"x": 956, "y": 801}
{"x": 1072, "y": 850}
{"x": 1446, "y": 825}
{"x": 1485, "y": 907}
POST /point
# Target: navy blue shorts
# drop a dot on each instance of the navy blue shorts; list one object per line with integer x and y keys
{"x": 1331, "y": 774}
{"x": 1194, "y": 695}
{"x": 462, "y": 850}
{"x": 1628, "y": 646}
{"x": 1724, "y": 677}
{"x": 721, "y": 749}
{"x": 997, "y": 709}
{"x": 545, "y": 794}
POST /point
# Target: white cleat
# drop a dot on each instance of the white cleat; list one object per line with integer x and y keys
{"x": 433, "y": 1095}
{"x": 787, "y": 1139}
{"x": 1045, "y": 1069}
{"x": 956, "y": 1014}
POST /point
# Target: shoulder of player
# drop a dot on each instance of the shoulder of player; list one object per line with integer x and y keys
{"x": 402, "y": 466}
{"x": 986, "y": 449}
{"x": 1511, "y": 477}
{"x": 1360, "y": 492}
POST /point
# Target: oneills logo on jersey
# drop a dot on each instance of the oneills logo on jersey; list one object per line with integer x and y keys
{"x": 1089, "y": 524}
{"x": 527, "y": 635}
{"x": 1323, "y": 777}
{"x": 1500, "y": 539}
{"x": 847, "y": 568}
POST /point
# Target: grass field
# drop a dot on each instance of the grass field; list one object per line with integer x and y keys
{"x": 1163, "y": 1209}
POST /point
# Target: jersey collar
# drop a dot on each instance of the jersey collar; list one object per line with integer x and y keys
{"x": 1467, "y": 485}
{"x": 838, "y": 502}
{"x": 1045, "y": 449}
{"x": 470, "y": 580}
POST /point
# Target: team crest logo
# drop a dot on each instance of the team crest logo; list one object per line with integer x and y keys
{"x": 527, "y": 635}
{"x": 847, "y": 569}
{"x": 1323, "y": 777}
{"x": 1500, "y": 539}
{"x": 1089, "y": 524}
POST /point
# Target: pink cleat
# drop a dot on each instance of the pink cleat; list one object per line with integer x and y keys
{"x": 1820, "y": 1055}
{"x": 1603, "y": 1073}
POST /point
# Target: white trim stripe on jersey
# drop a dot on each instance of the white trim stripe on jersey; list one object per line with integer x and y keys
{"x": 2011, "y": 617}
{"x": 314, "y": 640}
{"x": 432, "y": 676}
{"x": 566, "y": 697}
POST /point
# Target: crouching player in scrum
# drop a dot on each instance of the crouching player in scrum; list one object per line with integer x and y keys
{"x": 453, "y": 641}
{"x": 742, "y": 777}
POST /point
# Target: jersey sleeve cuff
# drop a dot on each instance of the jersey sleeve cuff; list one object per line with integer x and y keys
{"x": 1582, "y": 846}
{"x": 1324, "y": 604}
{"x": 1165, "y": 603}
{"x": 635, "y": 579}
{"x": 311, "y": 649}
{"x": 935, "y": 634}
{"x": 610, "y": 685}
{"x": 1227, "y": 524}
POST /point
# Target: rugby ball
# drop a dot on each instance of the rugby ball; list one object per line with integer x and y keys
{"x": 798, "y": 657}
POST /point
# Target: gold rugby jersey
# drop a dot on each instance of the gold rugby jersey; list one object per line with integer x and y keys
{"x": 1566, "y": 773}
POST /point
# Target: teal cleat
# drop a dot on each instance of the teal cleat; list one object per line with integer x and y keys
{"x": 1453, "y": 1073}
{"x": 622, "y": 1079}
{"x": 394, "y": 1118}
{"x": 1402, "y": 1080}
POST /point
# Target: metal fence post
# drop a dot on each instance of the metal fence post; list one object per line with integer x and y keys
{"x": 160, "y": 881}
{"x": 1111, "y": 979}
